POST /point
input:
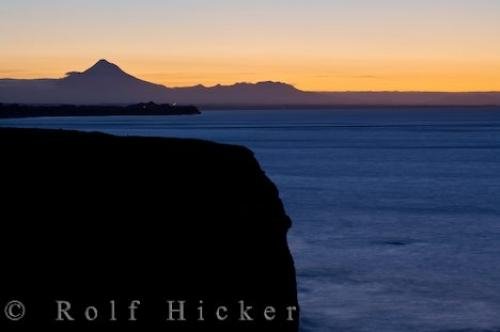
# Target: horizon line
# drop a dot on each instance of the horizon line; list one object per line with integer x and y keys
{"x": 105, "y": 61}
{"x": 267, "y": 81}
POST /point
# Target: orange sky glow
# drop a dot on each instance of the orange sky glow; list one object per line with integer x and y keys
{"x": 320, "y": 45}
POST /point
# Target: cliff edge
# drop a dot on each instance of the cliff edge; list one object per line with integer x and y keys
{"x": 128, "y": 233}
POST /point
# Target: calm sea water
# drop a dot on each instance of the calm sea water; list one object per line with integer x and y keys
{"x": 396, "y": 212}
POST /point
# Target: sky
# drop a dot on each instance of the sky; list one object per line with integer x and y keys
{"x": 322, "y": 45}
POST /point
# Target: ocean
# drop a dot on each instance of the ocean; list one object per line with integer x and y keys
{"x": 396, "y": 212}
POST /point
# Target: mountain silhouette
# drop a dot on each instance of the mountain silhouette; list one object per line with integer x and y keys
{"x": 107, "y": 83}
{"x": 104, "y": 68}
{"x": 104, "y": 72}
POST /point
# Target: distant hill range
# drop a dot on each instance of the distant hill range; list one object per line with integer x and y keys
{"x": 106, "y": 83}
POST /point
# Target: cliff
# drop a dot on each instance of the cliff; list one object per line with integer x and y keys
{"x": 97, "y": 222}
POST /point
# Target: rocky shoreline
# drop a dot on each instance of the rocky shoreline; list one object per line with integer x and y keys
{"x": 151, "y": 109}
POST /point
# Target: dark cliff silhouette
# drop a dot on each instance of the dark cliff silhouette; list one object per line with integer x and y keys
{"x": 89, "y": 218}
{"x": 106, "y": 83}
